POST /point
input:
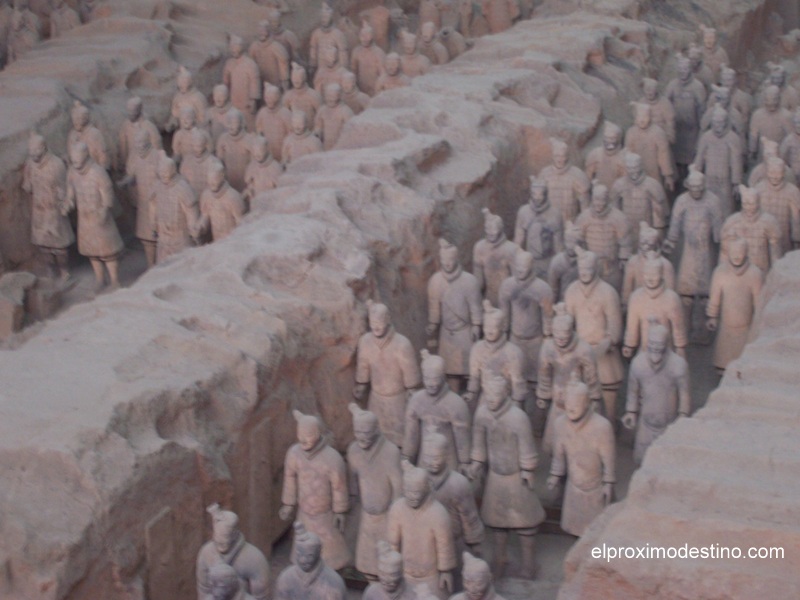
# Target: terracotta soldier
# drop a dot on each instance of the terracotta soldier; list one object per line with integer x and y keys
{"x": 437, "y": 409}
{"x": 563, "y": 269}
{"x": 585, "y": 453}
{"x": 769, "y": 150}
{"x": 640, "y": 198}
{"x": 136, "y": 122}
{"x": 790, "y": 99}
{"x": 315, "y": 483}
{"x": 332, "y": 116}
{"x": 419, "y": 527}
{"x": 714, "y": 55}
{"x": 649, "y": 241}
{"x": 654, "y": 301}
{"x": 650, "y": 142}
{"x": 330, "y": 70}
{"x": 301, "y": 141}
{"x": 21, "y": 37}
{"x": 688, "y": 96}
{"x": 503, "y": 446}
{"x": 387, "y": 365}
{"x": 175, "y": 213}
{"x": 477, "y": 580}
{"x": 221, "y": 104}
{"x": 455, "y": 492}
{"x": 454, "y": 311}
{"x": 263, "y": 171}
{"x": 430, "y": 11}
{"x": 719, "y": 156}
{"x": 83, "y": 131}
{"x": 271, "y": 57}
{"x": 62, "y": 19}
{"x": 606, "y": 163}
{"x": 327, "y": 34}
{"x": 492, "y": 256}
{"x": 310, "y": 577}
{"x": 527, "y": 302}
{"x": 242, "y": 76}
{"x": 595, "y": 306}
{"x": 790, "y": 147}
{"x": 720, "y": 97}
{"x": 759, "y": 228}
{"x": 273, "y": 120}
{"x": 91, "y": 193}
{"x": 45, "y": 179}
{"x": 221, "y": 206}
{"x": 661, "y": 111}
{"x": 559, "y": 357}
{"x": 412, "y": 63}
{"x": 228, "y": 546}
{"x": 539, "y": 228}
{"x": 142, "y": 171}
{"x": 353, "y": 97}
{"x": 286, "y": 37}
{"x": 182, "y": 138}
{"x": 225, "y": 584}
{"x": 771, "y": 121}
{"x": 187, "y": 95}
{"x": 740, "y": 100}
{"x": 453, "y": 41}
{"x": 607, "y": 233}
{"x": 701, "y": 71}
{"x": 431, "y": 47}
{"x": 391, "y": 584}
{"x": 494, "y": 356}
{"x": 567, "y": 186}
{"x": 500, "y": 14}
{"x": 196, "y": 162}
{"x": 658, "y": 390}
{"x": 375, "y": 478}
{"x": 366, "y": 60}
{"x": 393, "y": 76}
{"x": 233, "y": 149}
{"x": 735, "y": 288}
{"x": 302, "y": 97}
{"x": 781, "y": 200}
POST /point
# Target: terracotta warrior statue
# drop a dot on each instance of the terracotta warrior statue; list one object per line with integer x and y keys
{"x": 386, "y": 364}
{"x": 607, "y": 233}
{"x": 759, "y": 228}
{"x": 437, "y": 409}
{"x": 175, "y": 212}
{"x": 654, "y": 302}
{"x": 391, "y": 584}
{"x": 376, "y": 479}
{"x": 366, "y": 61}
{"x": 242, "y": 76}
{"x": 701, "y": 71}
{"x": 650, "y": 142}
{"x": 286, "y": 37}
{"x": 494, "y": 356}
{"x": 567, "y": 186}
{"x": 196, "y": 162}
{"x": 720, "y": 97}
{"x": 454, "y": 312}
{"x": 221, "y": 206}
{"x": 714, "y": 55}
{"x": 790, "y": 99}
{"x": 392, "y": 77}
{"x": 329, "y": 71}
{"x": 332, "y": 116}
{"x": 585, "y": 453}
{"x": 135, "y": 123}
{"x": 790, "y": 146}
{"x": 539, "y": 228}
{"x": 224, "y": 583}
{"x": 781, "y": 199}
{"x": 563, "y": 269}
{"x": 84, "y": 131}
{"x": 301, "y": 141}
{"x": 492, "y": 256}
{"x": 606, "y": 163}
{"x": 649, "y": 241}
{"x": 412, "y": 63}
{"x": 233, "y": 149}
{"x": 262, "y": 173}
{"x": 720, "y": 157}
{"x": 142, "y": 171}
{"x": 353, "y": 97}
{"x": 327, "y": 34}
{"x": 771, "y": 121}
{"x": 380, "y": 19}
{"x": 735, "y": 287}
{"x": 273, "y": 121}
{"x": 769, "y": 150}
{"x": 640, "y": 198}
{"x": 45, "y": 179}
{"x": 688, "y": 96}
{"x": 419, "y": 528}
{"x": 477, "y": 580}
{"x": 527, "y": 302}
{"x": 658, "y": 390}
{"x": 315, "y": 484}
{"x": 187, "y": 95}
{"x": 271, "y": 57}
{"x": 221, "y": 104}
{"x": 302, "y": 97}
{"x": 91, "y": 193}
{"x": 595, "y": 306}
{"x": 310, "y": 577}
{"x": 229, "y": 547}
{"x": 431, "y": 47}
{"x": 740, "y": 100}
{"x": 661, "y": 111}
{"x": 453, "y": 40}
{"x": 500, "y": 14}
{"x": 182, "y": 138}
{"x": 22, "y": 36}
{"x": 504, "y": 448}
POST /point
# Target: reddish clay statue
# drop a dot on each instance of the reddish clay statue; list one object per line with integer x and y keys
{"x": 781, "y": 200}
{"x": 353, "y": 97}
{"x": 431, "y": 47}
{"x": 310, "y": 577}
{"x": 412, "y": 63}
{"x": 135, "y": 123}
{"x": 302, "y": 97}
{"x": 301, "y": 141}
{"x": 367, "y": 60}
{"x": 182, "y": 138}
{"x": 606, "y": 163}
{"x": 233, "y": 149}
{"x": 650, "y": 142}
{"x": 221, "y": 206}
{"x": 142, "y": 171}
{"x": 392, "y": 76}
{"x": 720, "y": 97}
{"x": 688, "y": 97}
{"x": 391, "y": 584}
{"x": 477, "y": 580}
{"x": 567, "y": 186}
{"x": 661, "y": 111}
{"x": 332, "y": 116}
{"x": 640, "y": 198}
{"x": 271, "y": 57}
{"x": 701, "y": 71}
{"x": 649, "y": 241}
{"x": 714, "y": 55}
{"x": 500, "y": 14}
{"x": 286, "y": 37}
{"x": 492, "y": 256}
{"x": 241, "y": 75}
{"x": 187, "y": 95}
{"x": 262, "y": 173}
{"x": 196, "y": 162}
{"x": 273, "y": 121}
{"x": 790, "y": 99}
{"x": 216, "y": 114}
{"x": 771, "y": 121}
{"x": 769, "y": 150}
{"x": 563, "y": 269}
{"x": 175, "y": 214}
{"x": 22, "y": 36}
{"x": 539, "y": 228}
{"x": 740, "y": 100}
{"x": 225, "y": 584}
{"x": 83, "y": 131}
{"x": 329, "y": 71}
{"x": 790, "y": 147}
{"x": 719, "y": 156}
{"x": 759, "y": 228}
{"x": 327, "y": 34}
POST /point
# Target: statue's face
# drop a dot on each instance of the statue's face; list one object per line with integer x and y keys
{"x": 333, "y": 95}
{"x": 184, "y": 83}
{"x": 709, "y": 38}
{"x": 656, "y": 351}
{"x": 272, "y": 97}
{"x": 348, "y": 83}
{"x": 723, "y": 96}
{"x": 236, "y": 48}
{"x": 433, "y": 383}
{"x": 326, "y": 17}
{"x": 493, "y": 229}
{"x": 652, "y": 275}
{"x": 223, "y": 588}
{"x": 750, "y": 205}
{"x": 308, "y": 435}
{"x": 390, "y": 579}
{"x": 538, "y": 195}
{"x": 772, "y": 100}
{"x": 576, "y": 405}
{"x": 599, "y": 201}
{"x": 78, "y": 156}
{"x": 392, "y": 65}
{"x": 415, "y": 493}
{"x": 562, "y": 335}
{"x": 684, "y": 70}
{"x": 650, "y": 91}
{"x": 166, "y": 171}
{"x": 777, "y": 77}
{"x": 428, "y": 32}
{"x": 263, "y": 31}
{"x": 298, "y": 78}
{"x": 719, "y": 124}
{"x": 696, "y": 188}
{"x": 737, "y": 253}
{"x": 494, "y": 398}
{"x": 233, "y": 123}
{"x": 634, "y": 168}
{"x": 434, "y": 460}
{"x": 409, "y": 44}
{"x": 199, "y": 145}
{"x": 37, "y": 149}
{"x": 134, "y": 110}
{"x": 366, "y": 433}
{"x": 274, "y": 18}
{"x": 475, "y": 587}
{"x": 298, "y": 124}
{"x": 643, "y": 119}
{"x": 522, "y": 266}
{"x": 220, "y": 96}
{"x": 366, "y": 37}
{"x": 611, "y": 141}
{"x": 728, "y": 79}
{"x": 492, "y": 329}
{"x": 307, "y": 556}
{"x": 647, "y": 244}
{"x": 775, "y": 174}
{"x": 223, "y": 538}
{"x": 560, "y": 157}
{"x": 448, "y": 259}
{"x": 215, "y": 179}
{"x": 587, "y": 270}
{"x": 187, "y": 119}
{"x": 261, "y": 151}
{"x": 143, "y": 146}
{"x": 331, "y": 56}
{"x": 379, "y": 323}
{"x": 80, "y": 119}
